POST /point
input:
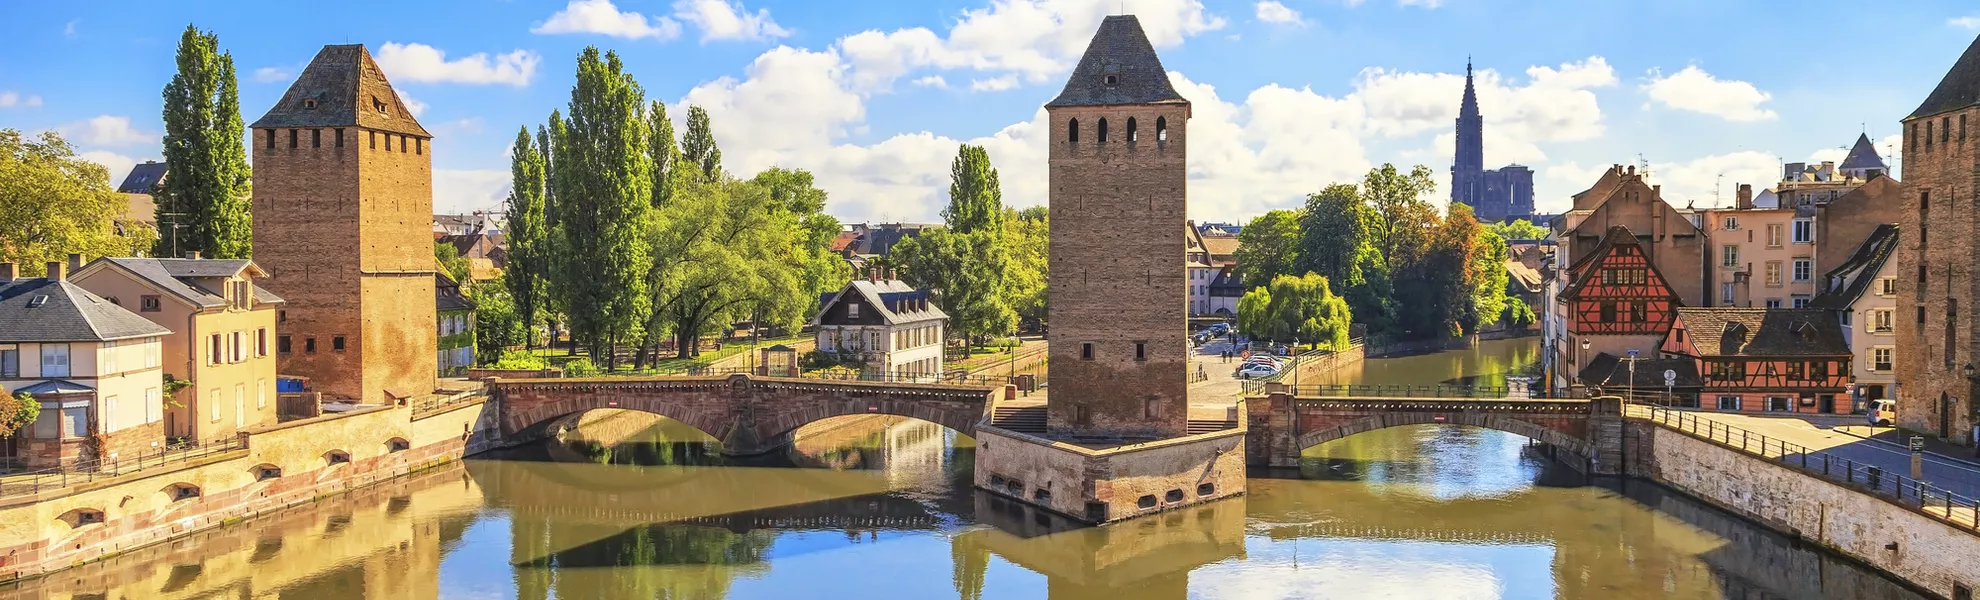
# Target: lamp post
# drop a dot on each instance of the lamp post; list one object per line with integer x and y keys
{"x": 1581, "y": 361}
{"x": 1630, "y": 392}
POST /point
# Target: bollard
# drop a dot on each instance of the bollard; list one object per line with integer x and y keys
{"x": 1873, "y": 476}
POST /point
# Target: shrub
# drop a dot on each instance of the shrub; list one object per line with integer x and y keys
{"x": 581, "y": 367}
{"x": 520, "y": 360}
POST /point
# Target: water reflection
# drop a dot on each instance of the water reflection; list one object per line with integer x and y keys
{"x": 877, "y": 507}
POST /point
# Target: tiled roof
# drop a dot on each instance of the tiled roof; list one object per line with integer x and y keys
{"x": 447, "y": 295}
{"x": 1119, "y": 50}
{"x": 42, "y": 310}
{"x": 338, "y": 89}
{"x": 1764, "y": 332}
{"x": 172, "y": 275}
{"x": 1527, "y": 277}
{"x": 144, "y": 178}
{"x": 1849, "y": 280}
{"x": 56, "y": 387}
{"x": 1863, "y": 155}
{"x": 1583, "y": 275}
{"x": 1220, "y": 245}
{"x": 1610, "y": 371}
{"x": 883, "y": 295}
{"x": 1959, "y": 89}
{"x": 843, "y": 240}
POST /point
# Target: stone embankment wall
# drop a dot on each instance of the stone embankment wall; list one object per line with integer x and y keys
{"x": 1065, "y": 477}
{"x": 46, "y": 531}
{"x": 1315, "y": 366}
{"x": 1898, "y": 540}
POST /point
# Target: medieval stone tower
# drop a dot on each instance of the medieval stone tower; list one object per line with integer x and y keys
{"x": 343, "y": 213}
{"x": 1119, "y": 302}
{"x": 1939, "y": 252}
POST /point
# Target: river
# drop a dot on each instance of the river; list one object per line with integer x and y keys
{"x": 631, "y": 506}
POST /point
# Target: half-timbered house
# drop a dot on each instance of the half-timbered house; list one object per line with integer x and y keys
{"x": 1765, "y": 360}
{"x": 1618, "y": 301}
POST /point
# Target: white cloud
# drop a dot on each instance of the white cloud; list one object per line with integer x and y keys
{"x": 273, "y": 74}
{"x": 460, "y": 191}
{"x": 1036, "y": 39}
{"x": 10, "y": 99}
{"x": 994, "y": 84}
{"x": 934, "y": 81}
{"x": 108, "y": 130}
{"x": 117, "y": 165}
{"x": 1694, "y": 90}
{"x": 1965, "y": 22}
{"x": 601, "y": 17}
{"x": 1274, "y": 12}
{"x": 423, "y": 63}
{"x": 722, "y": 20}
{"x": 69, "y": 29}
{"x": 413, "y": 105}
{"x": 1422, "y": 3}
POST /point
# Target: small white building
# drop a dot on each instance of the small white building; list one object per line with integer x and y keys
{"x": 889, "y": 327}
{"x": 1862, "y": 292}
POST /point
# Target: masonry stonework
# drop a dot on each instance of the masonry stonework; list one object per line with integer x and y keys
{"x": 1937, "y": 256}
{"x": 343, "y": 208}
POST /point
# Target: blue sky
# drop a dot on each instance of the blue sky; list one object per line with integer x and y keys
{"x": 874, "y": 96}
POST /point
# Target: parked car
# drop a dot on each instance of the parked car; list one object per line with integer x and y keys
{"x": 1256, "y": 371}
{"x": 1218, "y": 329}
{"x": 1883, "y": 412}
{"x": 1269, "y": 361}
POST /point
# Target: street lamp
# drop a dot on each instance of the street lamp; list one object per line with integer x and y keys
{"x": 1581, "y": 360}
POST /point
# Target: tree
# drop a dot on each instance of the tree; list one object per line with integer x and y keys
{"x": 698, "y": 145}
{"x": 1397, "y": 200}
{"x": 1521, "y": 229}
{"x": 497, "y": 324}
{"x": 1333, "y": 229}
{"x": 976, "y": 203}
{"x": 528, "y": 248}
{"x": 666, "y": 154}
{"x": 1268, "y": 246}
{"x": 733, "y": 252}
{"x": 1487, "y": 269}
{"x": 604, "y": 175}
{"x": 17, "y": 412}
{"x": 1517, "y": 313}
{"x": 1296, "y": 309}
{"x": 452, "y": 264}
{"x": 794, "y": 192}
{"x": 53, "y": 203}
{"x": 965, "y": 273}
{"x": 1027, "y": 244}
{"x": 203, "y": 203}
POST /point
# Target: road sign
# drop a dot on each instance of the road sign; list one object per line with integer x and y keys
{"x": 1670, "y": 377}
{"x": 1917, "y": 444}
{"x": 1632, "y": 354}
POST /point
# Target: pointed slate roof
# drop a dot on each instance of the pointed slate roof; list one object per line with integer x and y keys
{"x": 1849, "y": 280}
{"x": 1120, "y": 49}
{"x": 342, "y": 87}
{"x": 180, "y": 277}
{"x": 1863, "y": 155}
{"x": 143, "y": 179}
{"x": 1959, "y": 89}
{"x": 44, "y": 310}
{"x": 881, "y": 296}
{"x": 1468, "y": 107}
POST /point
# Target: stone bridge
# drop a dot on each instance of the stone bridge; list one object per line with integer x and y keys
{"x": 1283, "y": 425}
{"x": 748, "y": 413}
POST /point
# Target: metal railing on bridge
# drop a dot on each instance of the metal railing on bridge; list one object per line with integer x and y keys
{"x": 81, "y": 472}
{"x": 1933, "y": 501}
{"x": 952, "y": 378}
{"x": 1370, "y": 390}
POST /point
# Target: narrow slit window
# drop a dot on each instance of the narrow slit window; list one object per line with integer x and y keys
{"x": 1131, "y": 131}
{"x": 271, "y": 139}
{"x": 292, "y": 138}
{"x": 316, "y": 138}
{"x": 1086, "y": 351}
{"x": 1100, "y": 135}
{"x": 1161, "y": 129}
{"x": 339, "y": 132}
{"x": 1072, "y": 131}
{"x": 1141, "y": 351}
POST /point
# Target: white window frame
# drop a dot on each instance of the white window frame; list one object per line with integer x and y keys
{"x": 55, "y": 363}
{"x": 1724, "y": 400}
{"x": 213, "y": 405}
{"x": 852, "y": 310}
{"x": 1889, "y": 362}
{"x": 1728, "y": 292}
{"x": 108, "y": 350}
{"x": 1887, "y": 286}
{"x": 1804, "y": 269}
{"x": 154, "y": 405}
{"x": 1804, "y": 231}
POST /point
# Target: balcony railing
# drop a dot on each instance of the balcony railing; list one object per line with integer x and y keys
{"x": 81, "y": 472}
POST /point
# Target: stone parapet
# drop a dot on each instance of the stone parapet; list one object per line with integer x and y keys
{"x": 1106, "y": 483}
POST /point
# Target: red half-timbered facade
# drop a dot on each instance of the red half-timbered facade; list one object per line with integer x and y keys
{"x": 1617, "y": 290}
{"x": 1764, "y": 360}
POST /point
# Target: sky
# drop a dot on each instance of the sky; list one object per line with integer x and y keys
{"x": 873, "y": 97}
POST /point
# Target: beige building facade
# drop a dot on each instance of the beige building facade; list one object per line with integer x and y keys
{"x": 223, "y": 338}
{"x": 1763, "y": 257}
{"x": 94, "y": 367}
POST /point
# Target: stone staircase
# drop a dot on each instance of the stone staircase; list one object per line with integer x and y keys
{"x": 1197, "y": 426}
{"x": 1021, "y": 419}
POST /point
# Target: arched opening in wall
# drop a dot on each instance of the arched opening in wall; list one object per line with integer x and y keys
{"x": 80, "y": 517}
{"x": 336, "y": 457}
{"x": 1131, "y": 134}
{"x": 1161, "y": 129}
{"x": 1426, "y": 456}
{"x": 1072, "y": 131}
{"x": 905, "y": 447}
{"x": 181, "y": 491}
{"x": 265, "y": 472}
{"x": 1101, "y": 131}
{"x": 619, "y": 436}
{"x": 397, "y": 445}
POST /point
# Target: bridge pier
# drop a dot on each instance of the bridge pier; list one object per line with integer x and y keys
{"x": 1605, "y": 434}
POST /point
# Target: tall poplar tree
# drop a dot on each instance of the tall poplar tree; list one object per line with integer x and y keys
{"x": 608, "y": 177}
{"x": 666, "y": 153}
{"x": 526, "y": 232}
{"x": 203, "y": 202}
{"x": 976, "y": 202}
{"x": 698, "y": 145}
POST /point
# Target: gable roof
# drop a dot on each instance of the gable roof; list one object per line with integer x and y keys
{"x": 447, "y": 295}
{"x": 1763, "y": 332}
{"x": 1121, "y": 49}
{"x": 338, "y": 89}
{"x": 1220, "y": 245}
{"x": 143, "y": 179}
{"x": 1849, "y": 280}
{"x": 1863, "y": 155}
{"x": 1959, "y": 89}
{"x": 1617, "y": 236}
{"x": 174, "y": 275}
{"x": 44, "y": 310}
{"x": 1610, "y": 371}
{"x": 881, "y": 295}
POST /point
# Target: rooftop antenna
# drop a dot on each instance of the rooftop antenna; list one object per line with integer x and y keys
{"x": 1716, "y": 199}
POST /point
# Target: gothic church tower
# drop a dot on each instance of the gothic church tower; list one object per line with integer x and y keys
{"x": 1468, "y": 171}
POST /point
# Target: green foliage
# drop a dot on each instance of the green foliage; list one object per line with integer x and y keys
{"x": 1487, "y": 273}
{"x": 1027, "y": 243}
{"x": 206, "y": 195}
{"x": 53, "y": 202}
{"x": 497, "y": 323}
{"x": 665, "y": 152}
{"x": 17, "y": 411}
{"x": 1300, "y": 309}
{"x": 1268, "y": 246}
{"x": 1402, "y": 217}
{"x": 520, "y": 360}
{"x": 451, "y": 263}
{"x": 966, "y": 273}
{"x": 1519, "y": 230}
{"x": 527, "y": 270}
{"x": 604, "y": 184}
{"x": 580, "y": 367}
{"x": 1517, "y": 313}
{"x": 976, "y": 203}
{"x": 698, "y": 147}
{"x": 736, "y": 251}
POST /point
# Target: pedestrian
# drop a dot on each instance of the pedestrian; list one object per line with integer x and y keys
{"x": 1976, "y": 440}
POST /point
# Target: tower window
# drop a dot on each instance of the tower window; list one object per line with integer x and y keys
{"x": 337, "y": 343}
{"x": 374, "y": 140}
{"x": 1161, "y": 129}
{"x": 1112, "y": 80}
{"x": 292, "y": 138}
{"x": 1072, "y": 131}
{"x": 1945, "y": 128}
{"x": 309, "y": 345}
{"x": 271, "y": 139}
{"x": 1102, "y": 133}
{"x": 1928, "y": 136}
{"x": 388, "y": 142}
{"x": 419, "y": 145}
{"x": 1131, "y": 132}
{"x": 339, "y": 132}
{"x": 1141, "y": 351}
{"x": 309, "y": 103}
{"x": 1086, "y": 350}
{"x": 403, "y": 146}
{"x": 316, "y": 138}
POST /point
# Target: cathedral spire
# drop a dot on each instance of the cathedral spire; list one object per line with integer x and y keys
{"x": 1468, "y": 168}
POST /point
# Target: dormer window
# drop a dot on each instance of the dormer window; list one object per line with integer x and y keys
{"x": 378, "y": 105}
{"x": 1112, "y": 80}
{"x": 309, "y": 103}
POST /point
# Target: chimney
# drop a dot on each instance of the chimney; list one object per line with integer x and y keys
{"x": 1657, "y": 191}
{"x": 1744, "y": 198}
{"x": 1632, "y": 170}
{"x": 57, "y": 270}
{"x": 192, "y": 254}
{"x": 75, "y": 262}
{"x": 873, "y": 274}
{"x": 6, "y": 273}
{"x": 890, "y": 274}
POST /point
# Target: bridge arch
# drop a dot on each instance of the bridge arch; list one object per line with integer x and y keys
{"x": 1577, "y": 445}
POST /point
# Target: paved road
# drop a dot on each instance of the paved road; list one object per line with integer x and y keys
{"x": 1957, "y": 475}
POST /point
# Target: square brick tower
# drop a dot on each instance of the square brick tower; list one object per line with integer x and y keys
{"x": 1938, "y": 254}
{"x": 1119, "y": 302}
{"x": 343, "y": 214}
